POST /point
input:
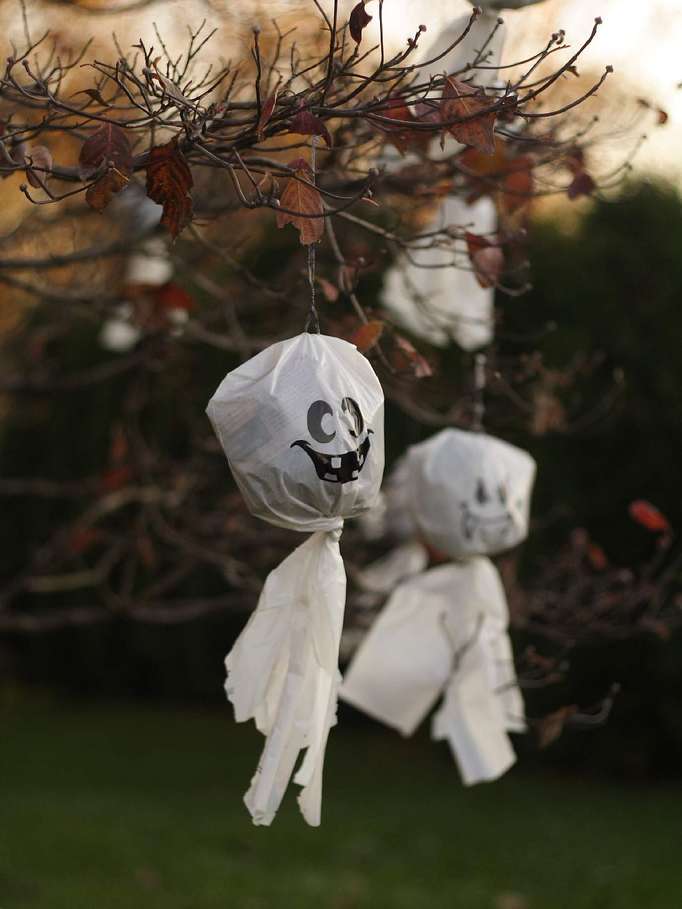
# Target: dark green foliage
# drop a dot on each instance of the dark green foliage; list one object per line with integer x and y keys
{"x": 613, "y": 287}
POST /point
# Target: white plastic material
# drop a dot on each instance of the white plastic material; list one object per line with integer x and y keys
{"x": 434, "y": 294}
{"x": 443, "y": 632}
{"x": 302, "y": 427}
{"x": 504, "y": 4}
{"x": 436, "y": 303}
{"x": 470, "y": 492}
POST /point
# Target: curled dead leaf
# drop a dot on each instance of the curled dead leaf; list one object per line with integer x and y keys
{"x": 359, "y": 18}
{"x": 265, "y": 113}
{"x": 550, "y": 727}
{"x": 581, "y": 185}
{"x": 367, "y": 335}
{"x": 400, "y": 132}
{"x": 518, "y": 185}
{"x": 305, "y": 123}
{"x": 169, "y": 181}
{"x": 107, "y": 147}
{"x": 303, "y": 199}
{"x": 106, "y": 153}
{"x": 406, "y": 358}
{"x": 100, "y": 194}
{"x": 460, "y": 100}
{"x": 487, "y": 259}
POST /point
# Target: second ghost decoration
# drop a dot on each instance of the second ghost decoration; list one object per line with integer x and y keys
{"x": 301, "y": 424}
{"x": 443, "y": 632}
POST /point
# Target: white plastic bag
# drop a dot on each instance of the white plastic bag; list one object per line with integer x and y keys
{"x": 443, "y": 632}
{"x": 470, "y": 492}
{"x": 436, "y": 303}
{"x": 434, "y": 294}
{"x": 302, "y": 427}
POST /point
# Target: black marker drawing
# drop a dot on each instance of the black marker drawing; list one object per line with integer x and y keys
{"x": 335, "y": 468}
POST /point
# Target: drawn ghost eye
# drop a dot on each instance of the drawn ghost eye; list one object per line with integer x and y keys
{"x": 481, "y": 494}
{"x": 348, "y": 405}
{"x": 317, "y": 411}
{"x": 502, "y": 490}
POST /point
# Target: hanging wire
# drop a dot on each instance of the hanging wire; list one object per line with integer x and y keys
{"x": 480, "y": 362}
{"x": 312, "y": 324}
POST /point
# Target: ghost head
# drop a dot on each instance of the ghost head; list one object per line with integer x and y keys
{"x": 469, "y": 493}
{"x": 302, "y": 427}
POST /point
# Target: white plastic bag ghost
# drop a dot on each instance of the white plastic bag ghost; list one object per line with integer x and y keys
{"x": 436, "y": 303}
{"x": 301, "y": 424}
{"x": 434, "y": 294}
{"x": 443, "y": 632}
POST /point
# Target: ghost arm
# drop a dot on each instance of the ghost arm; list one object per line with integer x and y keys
{"x": 384, "y": 575}
{"x": 404, "y": 662}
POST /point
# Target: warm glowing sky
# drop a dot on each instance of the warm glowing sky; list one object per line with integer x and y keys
{"x": 640, "y": 38}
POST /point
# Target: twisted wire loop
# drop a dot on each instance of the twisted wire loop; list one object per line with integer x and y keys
{"x": 312, "y": 324}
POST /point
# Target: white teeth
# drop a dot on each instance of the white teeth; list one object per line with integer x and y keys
{"x": 336, "y": 463}
{"x": 329, "y": 476}
{"x": 355, "y": 474}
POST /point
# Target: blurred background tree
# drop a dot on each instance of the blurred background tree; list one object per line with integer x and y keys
{"x": 129, "y": 561}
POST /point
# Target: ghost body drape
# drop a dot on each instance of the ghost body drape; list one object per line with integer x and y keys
{"x": 444, "y": 633}
{"x": 283, "y": 673}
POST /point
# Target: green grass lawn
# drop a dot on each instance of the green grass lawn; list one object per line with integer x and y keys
{"x": 140, "y": 808}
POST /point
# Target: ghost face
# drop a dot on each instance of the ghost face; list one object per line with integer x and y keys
{"x": 324, "y": 425}
{"x": 486, "y": 518}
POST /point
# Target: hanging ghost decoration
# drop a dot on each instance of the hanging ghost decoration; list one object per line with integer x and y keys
{"x": 443, "y": 632}
{"x": 301, "y": 425}
{"x": 434, "y": 293}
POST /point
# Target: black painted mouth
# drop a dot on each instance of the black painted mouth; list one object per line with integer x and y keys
{"x": 348, "y": 465}
{"x": 501, "y": 524}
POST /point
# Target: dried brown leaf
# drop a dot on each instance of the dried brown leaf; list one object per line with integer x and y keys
{"x": 400, "y": 133}
{"x": 266, "y": 112}
{"x": 581, "y": 185}
{"x": 171, "y": 89}
{"x": 107, "y": 147}
{"x": 407, "y": 358}
{"x": 306, "y": 123}
{"x": 169, "y": 182}
{"x": 460, "y": 100}
{"x": 487, "y": 259}
{"x": 359, "y": 18}
{"x": 100, "y": 194}
{"x": 550, "y": 727}
{"x": 304, "y": 202}
{"x": 367, "y": 335}
{"x": 518, "y": 185}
